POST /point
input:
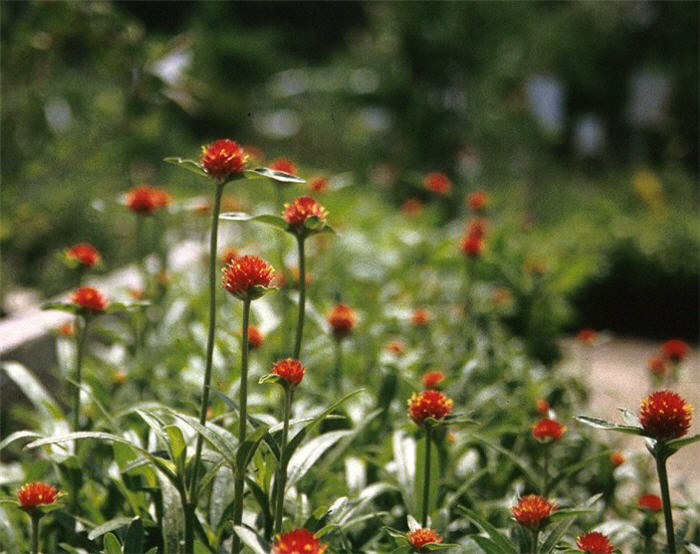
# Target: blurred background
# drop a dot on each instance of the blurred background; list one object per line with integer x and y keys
{"x": 580, "y": 118}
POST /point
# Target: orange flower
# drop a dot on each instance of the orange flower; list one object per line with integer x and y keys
{"x": 421, "y": 537}
{"x": 319, "y": 184}
{"x": 657, "y": 366}
{"x": 246, "y": 277}
{"x": 420, "y": 317}
{"x": 439, "y": 183}
{"x": 84, "y": 254}
{"x": 298, "y": 212}
{"x": 396, "y": 347}
{"x": 342, "y": 319}
{"x": 89, "y": 299}
{"x": 284, "y": 164}
{"x": 35, "y": 494}
{"x": 617, "y": 459}
{"x": 119, "y": 377}
{"x": 586, "y": 336}
{"x": 478, "y": 200}
{"x": 298, "y": 541}
{"x": 674, "y": 350}
{"x": 142, "y": 200}
{"x": 546, "y": 429}
{"x": 472, "y": 246}
{"x": 290, "y": 370}
{"x": 542, "y": 406}
{"x": 66, "y": 329}
{"x": 412, "y": 206}
{"x": 429, "y": 403}
{"x": 594, "y": 543}
{"x": 665, "y": 415}
{"x": 432, "y": 379}
{"x": 161, "y": 198}
{"x": 223, "y": 158}
{"x": 255, "y": 337}
{"x": 650, "y": 502}
{"x": 532, "y": 511}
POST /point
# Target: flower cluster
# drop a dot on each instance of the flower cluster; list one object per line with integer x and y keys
{"x": 342, "y": 320}
{"x": 472, "y": 245}
{"x": 432, "y": 379}
{"x": 429, "y": 403}
{"x": 298, "y": 541}
{"x": 439, "y": 183}
{"x": 247, "y": 277}
{"x": 422, "y": 537}
{"x": 291, "y": 371}
{"x": 665, "y": 415}
{"x": 297, "y": 213}
{"x": 145, "y": 200}
{"x": 594, "y": 543}
{"x": 35, "y": 494}
{"x": 89, "y": 299}
{"x": 84, "y": 255}
{"x": 532, "y": 511}
{"x": 548, "y": 429}
{"x": 223, "y": 158}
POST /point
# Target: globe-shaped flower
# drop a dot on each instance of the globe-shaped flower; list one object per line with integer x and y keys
{"x": 248, "y": 277}
{"x": 594, "y": 543}
{"x": 35, "y": 494}
{"x": 542, "y": 406}
{"x": 548, "y": 430}
{"x": 665, "y": 415}
{"x": 284, "y": 164}
{"x": 412, "y": 206}
{"x": 657, "y": 366}
{"x": 532, "y": 511}
{"x": 650, "y": 502}
{"x": 89, "y": 300}
{"x": 299, "y": 212}
{"x": 342, "y": 320}
{"x": 298, "y": 541}
{"x": 83, "y": 254}
{"x": 478, "y": 200}
{"x": 420, "y": 317}
{"x": 432, "y": 379}
{"x": 477, "y": 227}
{"x": 675, "y": 350}
{"x": 617, "y": 459}
{"x": 422, "y": 537}
{"x": 255, "y": 337}
{"x": 319, "y": 184}
{"x": 472, "y": 245}
{"x": 223, "y": 158}
{"x": 290, "y": 370}
{"x": 429, "y": 403}
{"x": 439, "y": 183}
{"x": 142, "y": 200}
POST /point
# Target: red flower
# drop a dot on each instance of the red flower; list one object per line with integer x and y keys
{"x": 594, "y": 543}
{"x": 472, "y": 245}
{"x": 141, "y": 200}
{"x": 421, "y": 537}
{"x": 396, "y": 347}
{"x": 319, "y": 184}
{"x": 439, "y": 183}
{"x": 246, "y": 277}
{"x": 255, "y": 337}
{"x": 84, "y": 254}
{"x": 501, "y": 296}
{"x": 657, "y": 366}
{"x": 429, "y": 403}
{"x": 66, "y": 329}
{"x": 546, "y": 429}
{"x": 432, "y": 379}
{"x": 35, "y": 494}
{"x": 532, "y": 510}
{"x": 477, "y": 227}
{"x": 617, "y": 459}
{"x": 291, "y": 370}
{"x": 161, "y": 198}
{"x": 420, "y": 317}
{"x": 674, "y": 350}
{"x": 284, "y": 164}
{"x": 665, "y": 415}
{"x": 542, "y": 406}
{"x": 478, "y": 200}
{"x": 223, "y": 158}
{"x": 342, "y": 319}
{"x": 650, "y": 502}
{"x": 89, "y": 299}
{"x": 298, "y": 212}
{"x": 412, "y": 206}
{"x": 586, "y": 336}
{"x": 298, "y": 541}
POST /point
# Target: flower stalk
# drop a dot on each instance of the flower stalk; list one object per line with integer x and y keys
{"x": 302, "y": 296}
{"x": 660, "y": 458}
{"x": 81, "y": 333}
{"x": 282, "y": 472}
{"x": 426, "y": 477}
{"x": 35, "y": 517}
{"x": 338, "y": 365}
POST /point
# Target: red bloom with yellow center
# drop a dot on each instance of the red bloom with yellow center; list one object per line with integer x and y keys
{"x": 674, "y": 350}
{"x": 439, "y": 183}
{"x": 429, "y": 403}
{"x": 319, "y": 184}
{"x": 35, "y": 494}
{"x": 255, "y": 337}
{"x": 342, "y": 319}
{"x": 532, "y": 510}
{"x": 657, "y": 366}
{"x": 665, "y": 415}
{"x": 651, "y": 502}
{"x": 432, "y": 379}
{"x": 472, "y": 245}
{"x": 89, "y": 299}
{"x": 594, "y": 543}
{"x": 420, "y": 317}
{"x": 478, "y": 200}
{"x": 546, "y": 429}
{"x": 246, "y": 277}
{"x": 422, "y": 537}
{"x": 298, "y": 541}
{"x": 617, "y": 459}
{"x": 84, "y": 254}
{"x": 586, "y": 336}
{"x": 290, "y": 370}
{"x": 298, "y": 212}
{"x": 223, "y": 158}
{"x": 284, "y": 164}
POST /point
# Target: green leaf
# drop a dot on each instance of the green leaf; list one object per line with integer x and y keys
{"x": 178, "y": 447}
{"x": 608, "y": 426}
{"x": 247, "y": 448}
{"x": 279, "y": 176}
{"x": 17, "y": 435}
{"x": 498, "y": 538}
{"x": 555, "y": 533}
{"x": 433, "y": 478}
{"x": 528, "y": 473}
{"x": 133, "y": 540}
{"x": 173, "y": 517}
{"x": 268, "y": 219}
{"x": 676, "y": 444}
{"x": 111, "y": 525}
{"x": 486, "y": 544}
{"x": 111, "y": 544}
{"x": 570, "y": 470}
{"x": 304, "y": 458}
{"x": 116, "y": 307}
{"x": 252, "y": 540}
{"x": 9, "y": 500}
{"x": 36, "y": 393}
{"x": 271, "y": 378}
{"x": 190, "y": 165}
{"x": 220, "y": 440}
{"x": 61, "y": 306}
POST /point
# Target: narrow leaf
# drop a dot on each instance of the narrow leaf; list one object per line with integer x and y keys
{"x": 190, "y": 165}
{"x": 279, "y": 176}
{"x": 501, "y": 541}
{"x": 609, "y": 426}
{"x": 252, "y": 540}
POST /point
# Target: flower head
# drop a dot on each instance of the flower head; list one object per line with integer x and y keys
{"x": 617, "y": 459}
{"x": 657, "y": 366}
{"x": 420, "y": 317}
{"x": 432, "y": 379}
{"x": 472, "y": 245}
{"x": 421, "y": 537}
{"x": 439, "y": 183}
{"x": 548, "y": 429}
{"x": 342, "y": 319}
{"x": 290, "y": 370}
{"x": 89, "y": 299}
{"x": 532, "y": 510}
{"x": 85, "y": 255}
{"x": 298, "y": 541}
{"x": 31, "y": 495}
{"x": 297, "y": 213}
{"x": 223, "y": 158}
{"x": 66, "y": 329}
{"x": 412, "y": 206}
{"x": 285, "y": 165}
{"x": 429, "y": 403}
{"x": 142, "y": 200}
{"x": 651, "y": 502}
{"x": 319, "y": 184}
{"x": 247, "y": 277}
{"x": 255, "y": 337}
{"x": 586, "y": 336}
{"x": 675, "y": 350}
{"x": 396, "y": 347}
{"x": 542, "y": 406}
{"x": 477, "y": 227}
{"x": 594, "y": 543}
{"x": 665, "y": 415}
{"x": 478, "y": 200}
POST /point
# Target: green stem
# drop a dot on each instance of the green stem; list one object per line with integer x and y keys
{"x": 188, "y": 508}
{"x": 302, "y": 298}
{"x": 535, "y": 536}
{"x": 284, "y": 305}
{"x": 666, "y": 498}
{"x": 81, "y": 333}
{"x": 282, "y": 473}
{"x": 35, "y": 532}
{"x": 243, "y": 416}
{"x": 210, "y": 346}
{"x": 545, "y": 472}
{"x": 338, "y": 368}
{"x": 426, "y": 478}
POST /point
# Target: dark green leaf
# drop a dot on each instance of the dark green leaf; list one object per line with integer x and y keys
{"x": 247, "y": 448}
{"x": 116, "y": 523}
{"x": 279, "y": 176}
{"x": 675, "y": 444}
{"x": 498, "y": 538}
{"x": 190, "y": 165}
{"x": 608, "y": 426}
{"x": 111, "y": 544}
{"x": 133, "y": 540}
